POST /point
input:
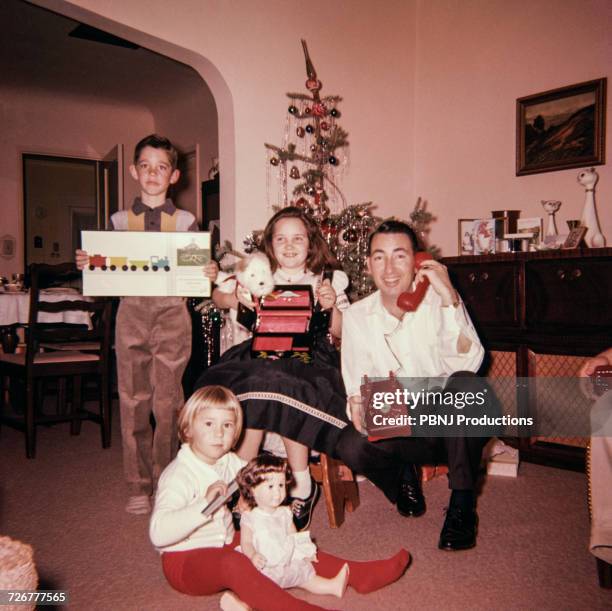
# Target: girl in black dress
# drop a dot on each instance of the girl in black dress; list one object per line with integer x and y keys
{"x": 304, "y": 402}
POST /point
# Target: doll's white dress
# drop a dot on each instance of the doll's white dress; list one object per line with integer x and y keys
{"x": 287, "y": 554}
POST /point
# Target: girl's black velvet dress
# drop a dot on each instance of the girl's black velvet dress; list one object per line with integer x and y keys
{"x": 305, "y": 402}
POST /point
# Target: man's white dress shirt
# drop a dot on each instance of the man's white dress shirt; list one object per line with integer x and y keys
{"x": 422, "y": 344}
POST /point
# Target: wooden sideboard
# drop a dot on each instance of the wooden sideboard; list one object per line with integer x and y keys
{"x": 539, "y": 313}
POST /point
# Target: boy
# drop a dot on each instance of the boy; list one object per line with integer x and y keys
{"x": 153, "y": 334}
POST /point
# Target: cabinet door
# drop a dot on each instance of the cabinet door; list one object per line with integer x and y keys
{"x": 566, "y": 293}
{"x": 490, "y": 291}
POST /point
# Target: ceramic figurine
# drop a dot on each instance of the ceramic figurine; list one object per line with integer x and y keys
{"x": 551, "y": 206}
{"x": 594, "y": 238}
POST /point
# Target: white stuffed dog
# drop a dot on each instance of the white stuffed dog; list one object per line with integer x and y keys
{"x": 254, "y": 273}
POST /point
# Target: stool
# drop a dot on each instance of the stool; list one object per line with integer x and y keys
{"x": 339, "y": 487}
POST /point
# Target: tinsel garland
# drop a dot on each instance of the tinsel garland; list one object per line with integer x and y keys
{"x": 212, "y": 319}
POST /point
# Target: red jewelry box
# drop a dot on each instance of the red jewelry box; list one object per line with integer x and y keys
{"x": 283, "y": 321}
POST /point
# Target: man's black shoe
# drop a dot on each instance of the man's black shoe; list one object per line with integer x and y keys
{"x": 410, "y": 499}
{"x": 302, "y": 508}
{"x": 459, "y": 530}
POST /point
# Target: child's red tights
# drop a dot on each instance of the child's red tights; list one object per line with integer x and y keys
{"x": 210, "y": 570}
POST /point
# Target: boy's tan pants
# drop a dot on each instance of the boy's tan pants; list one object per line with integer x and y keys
{"x": 153, "y": 345}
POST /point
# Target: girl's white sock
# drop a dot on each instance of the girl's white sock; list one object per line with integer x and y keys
{"x": 303, "y": 485}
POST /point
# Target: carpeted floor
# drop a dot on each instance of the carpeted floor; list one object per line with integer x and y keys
{"x": 531, "y": 554}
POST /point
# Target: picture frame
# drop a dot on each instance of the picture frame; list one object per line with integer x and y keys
{"x": 561, "y": 128}
{"x": 554, "y": 242}
{"x": 465, "y": 243}
{"x": 575, "y": 237}
{"x": 532, "y": 225}
{"x": 483, "y": 236}
{"x": 7, "y": 246}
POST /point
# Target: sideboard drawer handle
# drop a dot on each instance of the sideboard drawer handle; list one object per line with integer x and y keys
{"x": 472, "y": 277}
{"x": 561, "y": 274}
{"x": 577, "y": 273}
{"x": 484, "y": 276}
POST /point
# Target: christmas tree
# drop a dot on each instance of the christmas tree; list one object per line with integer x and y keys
{"x": 310, "y": 166}
{"x": 308, "y": 170}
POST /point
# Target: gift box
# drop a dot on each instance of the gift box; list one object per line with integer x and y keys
{"x": 282, "y": 325}
{"x": 500, "y": 458}
{"x": 503, "y": 464}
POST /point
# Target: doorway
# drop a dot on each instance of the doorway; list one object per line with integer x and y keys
{"x": 63, "y": 196}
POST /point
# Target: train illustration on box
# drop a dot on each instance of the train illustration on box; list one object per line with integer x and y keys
{"x": 153, "y": 263}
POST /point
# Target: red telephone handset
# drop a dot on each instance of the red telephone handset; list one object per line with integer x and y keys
{"x": 410, "y": 300}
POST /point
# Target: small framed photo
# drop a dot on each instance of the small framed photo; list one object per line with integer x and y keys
{"x": 483, "y": 236}
{"x": 553, "y": 242}
{"x": 530, "y": 225}
{"x": 561, "y": 128}
{"x": 574, "y": 238}
{"x": 7, "y": 246}
{"x": 465, "y": 243}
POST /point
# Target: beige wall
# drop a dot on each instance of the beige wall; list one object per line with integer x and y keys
{"x": 475, "y": 58}
{"x": 429, "y": 89}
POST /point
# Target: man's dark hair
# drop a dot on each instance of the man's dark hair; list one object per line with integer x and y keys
{"x": 393, "y": 226}
{"x": 157, "y": 142}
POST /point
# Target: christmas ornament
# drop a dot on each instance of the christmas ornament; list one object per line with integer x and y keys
{"x": 300, "y": 131}
{"x": 292, "y": 109}
{"x": 313, "y": 147}
{"x": 319, "y": 109}
{"x": 302, "y": 203}
{"x": 328, "y": 229}
{"x": 313, "y": 85}
{"x": 310, "y": 129}
{"x": 324, "y": 125}
{"x": 334, "y": 113}
{"x": 274, "y": 161}
{"x": 333, "y": 160}
{"x": 350, "y": 235}
{"x": 307, "y": 110}
{"x": 294, "y": 172}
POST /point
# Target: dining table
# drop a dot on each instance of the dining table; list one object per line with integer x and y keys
{"x": 15, "y": 307}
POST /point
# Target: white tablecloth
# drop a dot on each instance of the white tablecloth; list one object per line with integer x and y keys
{"x": 15, "y": 307}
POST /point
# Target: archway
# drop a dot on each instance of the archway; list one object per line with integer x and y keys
{"x": 206, "y": 69}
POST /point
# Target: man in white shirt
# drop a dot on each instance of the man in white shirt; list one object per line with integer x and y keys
{"x": 435, "y": 341}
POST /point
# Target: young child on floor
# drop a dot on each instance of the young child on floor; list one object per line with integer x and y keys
{"x": 198, "y": 553}
{"x": 153, "y": 334}
{"x": 305, "y": 403}
{"x": 269, "y": 537}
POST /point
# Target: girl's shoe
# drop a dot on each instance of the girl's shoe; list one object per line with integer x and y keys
{"x": 302, "y": 508}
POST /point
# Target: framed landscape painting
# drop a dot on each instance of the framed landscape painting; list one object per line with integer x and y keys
{"x": 562, "y": 128}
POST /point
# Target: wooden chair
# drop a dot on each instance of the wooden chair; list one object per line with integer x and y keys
{"x": 34, "y": 366}
{"x": 339, "y": 487}
{"x": 604, "y": 569}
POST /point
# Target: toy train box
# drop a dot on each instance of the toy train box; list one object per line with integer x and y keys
{"x": 282, "y": 325}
